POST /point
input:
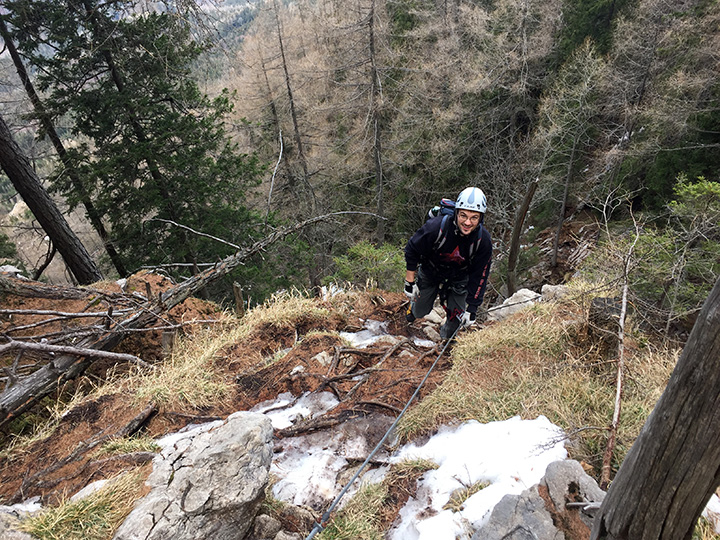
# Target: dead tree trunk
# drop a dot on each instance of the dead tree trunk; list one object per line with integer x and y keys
{"x": 293, "y": 113}
{"x": 17, "y": 166}
{"x": 673, "y": 468}
{"x": 515, "y": 241}
{"x": 375, "y": 104}
{"x": 26, "y": 392}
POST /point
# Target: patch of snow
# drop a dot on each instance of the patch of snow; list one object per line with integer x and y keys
{"x": 29, "y": 506}
{"x": 309, "y": 405}
{"x": 323, "y": 358}
{"x": 712, "y": 512}
{"x": 12, "y": 270}
{"x": 511, "y": 455}
{"x": 307, "y": 475}
{"x": 297, "y": 369}
{"x": 330, "y": 291}
{"x": 372, "y": 331}
{"x": 309, "y": 466}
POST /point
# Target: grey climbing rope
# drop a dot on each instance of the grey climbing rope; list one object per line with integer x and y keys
{"x": 320, "y": 525}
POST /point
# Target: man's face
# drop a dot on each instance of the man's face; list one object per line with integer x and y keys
{"x": 467, "y": 221}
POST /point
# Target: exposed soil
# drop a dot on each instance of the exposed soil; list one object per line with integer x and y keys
{"x": 374, "y": 380}
{"x": 377, "y": 380}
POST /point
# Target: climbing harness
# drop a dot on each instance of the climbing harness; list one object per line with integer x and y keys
{"x": 325, "y": 519}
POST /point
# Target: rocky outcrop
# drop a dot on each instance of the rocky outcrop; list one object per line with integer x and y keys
{"x": 560, "y": 507}
{"x": 517, "y": 302}
{"x": 207, "y": 483}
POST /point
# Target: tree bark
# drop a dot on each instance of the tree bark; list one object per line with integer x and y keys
{"x": 92, "y": 214}
{"x": 673, "y": 468}
{"x": 515, "y": 240}
{"x": 17, "y": 166}
{"x": 375, "y": 103}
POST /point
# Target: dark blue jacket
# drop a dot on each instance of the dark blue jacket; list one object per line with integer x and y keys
{"x": 451, "y": 260}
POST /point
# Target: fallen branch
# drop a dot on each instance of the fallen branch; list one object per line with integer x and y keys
{"x": 75, "y": 455}
{"x": 14, "y": 345}
{"x": 29, "y": 390}
{"x": 321, "y": 422}
{"x": 63, "y": 314}
{"x": 396, "y": 410}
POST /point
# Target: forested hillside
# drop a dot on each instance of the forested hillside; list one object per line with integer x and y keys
{"x": 249, "y": 152}
{"x": 228, "y": 119}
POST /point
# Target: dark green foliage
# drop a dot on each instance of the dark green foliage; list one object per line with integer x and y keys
{"x": 365, "y": 264}
{"x": 693, "y": 153}
{"x": 151, "y": 147}
{"x": 588, "y": 19}
{"x": 404, "y": 16}
{"x": 678, "y": 264}
{"x": 7, "y": 248}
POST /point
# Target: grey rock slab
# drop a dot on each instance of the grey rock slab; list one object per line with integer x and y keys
{"x": 208, "y": 484}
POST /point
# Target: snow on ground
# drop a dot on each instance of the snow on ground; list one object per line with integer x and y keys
{"x": 286, "y": 410}
{"x": 712, "y": 512}
{"x": 510, "y": 456}
{"x": 371, "y": 332}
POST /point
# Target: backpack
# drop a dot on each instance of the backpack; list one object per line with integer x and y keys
{"x": 446, "y": 208}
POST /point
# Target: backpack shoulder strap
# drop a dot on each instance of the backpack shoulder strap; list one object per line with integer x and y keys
{"x": 442, "y": 233}
{"x": 476, "y": 244}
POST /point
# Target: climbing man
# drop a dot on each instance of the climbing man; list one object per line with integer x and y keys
{"x": 450, "y": 255}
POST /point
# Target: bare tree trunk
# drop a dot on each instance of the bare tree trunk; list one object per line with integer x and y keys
{"x": 561, "y": 216}
{"x": 92, "y": 214}
{"x": 23, "y": 178}
{"x": 293, "y": 112}
{"x": 375, "y": 101}
{"x": 612, "y": 436}
{"x": 515, "y": 240}
{"x": 673, "y": 468}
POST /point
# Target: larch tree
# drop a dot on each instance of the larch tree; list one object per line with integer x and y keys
{"x": 566, "y": 127}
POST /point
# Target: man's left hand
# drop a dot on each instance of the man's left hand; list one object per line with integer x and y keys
{"x": 468, "y": 319}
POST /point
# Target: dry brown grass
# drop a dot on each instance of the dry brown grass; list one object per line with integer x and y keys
{"x": 95, "y": 517}
{"x": 539, "y": 362}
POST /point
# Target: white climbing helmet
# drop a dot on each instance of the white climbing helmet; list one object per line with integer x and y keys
{"x": 471, "y": 198}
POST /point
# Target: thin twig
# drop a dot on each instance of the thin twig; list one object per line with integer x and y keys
{"x": 198, "y": 233}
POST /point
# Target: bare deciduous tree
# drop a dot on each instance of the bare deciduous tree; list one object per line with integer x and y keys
{"x": 673, "y": 467}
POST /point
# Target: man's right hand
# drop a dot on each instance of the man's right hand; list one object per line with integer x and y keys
{"x": 412, "y": 291}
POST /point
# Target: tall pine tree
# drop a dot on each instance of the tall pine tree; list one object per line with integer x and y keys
{"x": 151, "y": 146}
